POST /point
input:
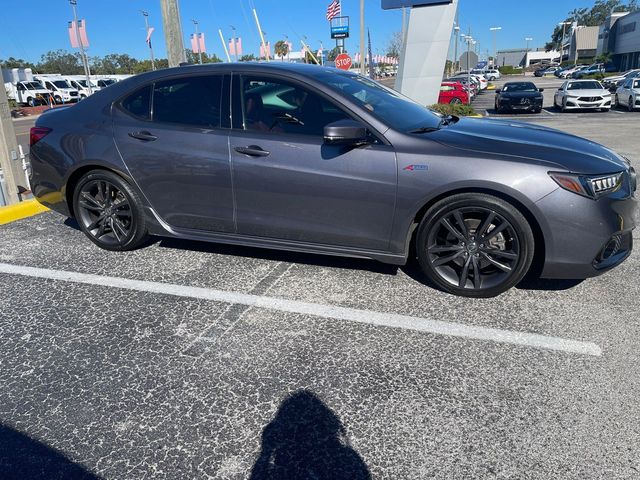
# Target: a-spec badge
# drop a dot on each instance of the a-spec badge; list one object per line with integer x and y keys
{"x": 413, "y": 168}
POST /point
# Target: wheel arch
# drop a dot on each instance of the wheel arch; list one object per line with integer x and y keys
{"x": 540, "y": 249}
{"x": 78, "y": 173}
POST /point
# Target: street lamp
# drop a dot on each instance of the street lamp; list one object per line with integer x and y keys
{"x": 83, "y": 55}
{"x": 195, "y": 23}
{"x": 235, "y": 42}
{"x": 456, "y": 29}
{"x": 495, "y": 31}
{"x": 526, "y": 58}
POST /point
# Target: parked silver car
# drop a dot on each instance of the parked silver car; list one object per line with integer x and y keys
{"x": 628, "y": 94}
{"x": 303, "y": 158}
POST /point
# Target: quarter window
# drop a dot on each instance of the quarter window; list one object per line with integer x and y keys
{"x": 138, "y": 103}
{"x": 281, "y": 107}
{"x": 194, "y": 101}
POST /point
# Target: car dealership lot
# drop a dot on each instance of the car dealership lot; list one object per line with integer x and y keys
{"x": 192, "y": 360}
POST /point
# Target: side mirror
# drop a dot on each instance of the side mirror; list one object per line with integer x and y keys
{"x": 345, "y": 132}
{"x": 541, "y": 89}
{"x": 498, "y": 90}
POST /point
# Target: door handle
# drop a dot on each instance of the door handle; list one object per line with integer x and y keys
{"x": 143, "y": 135}
{"x": 252, "y": 151}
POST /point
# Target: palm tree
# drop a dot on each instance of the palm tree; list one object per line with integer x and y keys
{"x": 281, "y": 49}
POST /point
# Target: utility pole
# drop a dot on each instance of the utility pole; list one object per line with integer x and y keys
{"x": 469, "y": 40}
{"x": 146, "y": 24}
{"x": 8, "y": 150}
{"x": 363, "y": 55}
{"x": 195, "y": 22}
{"x": 261, "y": 33}
{"x": 83, "y": 55}
{"x": 235, "y": 42}
{"x": 173, "y": 32}
{"x": 495, "y": 31}
{"x": 456, "y": 30}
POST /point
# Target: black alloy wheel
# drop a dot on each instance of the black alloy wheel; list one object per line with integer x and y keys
{"x": 630, "y": 105}
{"x": 109, "y": 212}
{"x": 475, "y": 245}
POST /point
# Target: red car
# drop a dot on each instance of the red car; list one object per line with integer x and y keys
{"x": 453, "y": 92}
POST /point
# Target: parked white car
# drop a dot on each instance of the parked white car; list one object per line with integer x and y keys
{"x": 578, "y": 94}
{"x": 30, "y": 93}
{"x": 492, "y": 75}
{"x": 80, "y": 84}
{"x": 628, "y": 94}
{"x": 567, "y": 73}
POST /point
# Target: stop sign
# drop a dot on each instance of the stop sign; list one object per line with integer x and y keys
{"x": 343, "y": 61}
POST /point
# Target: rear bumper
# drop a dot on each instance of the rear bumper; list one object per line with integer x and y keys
{"x": 587, "y": 237}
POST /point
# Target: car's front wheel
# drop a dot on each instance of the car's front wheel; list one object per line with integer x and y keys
{"x": 109, "y": 212}
{"x": 474, "y": 245}
{"x": 455, "y": 101}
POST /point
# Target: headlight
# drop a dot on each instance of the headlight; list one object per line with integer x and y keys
{"x": 591, "y": 186}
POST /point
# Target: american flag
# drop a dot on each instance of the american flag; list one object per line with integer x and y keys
{"x": 333, "y": 10}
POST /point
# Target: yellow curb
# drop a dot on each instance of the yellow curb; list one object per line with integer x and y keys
{"x": 477, "y": 115}
{"x": 491, "y": 87}
{"x": 21, "y": 210}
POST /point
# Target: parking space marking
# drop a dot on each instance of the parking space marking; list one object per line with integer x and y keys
{"x": 437, "y": 327}
{"x": 546, "y": 110}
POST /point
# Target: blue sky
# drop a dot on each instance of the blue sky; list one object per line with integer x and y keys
{"x": 116, "y": 26}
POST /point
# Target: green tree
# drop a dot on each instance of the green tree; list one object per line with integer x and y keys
{"x": 206, "y": 58}
{"x": 60, "y": 61}
{"x": 281, "y": 49}
{"x": 248, "y": 58}
{"x": 394, "y": 48}
{"x": 333, "y": 53}
{"x": 15, "y": 63}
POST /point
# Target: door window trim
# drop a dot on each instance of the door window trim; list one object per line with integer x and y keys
{"x": 237, "y": 79}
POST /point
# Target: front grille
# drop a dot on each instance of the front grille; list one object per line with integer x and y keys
{"x": 73, "y": 94}
{"x": 590, "y": 99}
{"x": 525, "y": 101}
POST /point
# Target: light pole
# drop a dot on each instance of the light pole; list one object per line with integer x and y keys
{"x": 495, "y": 31}
{"x": 526, "y": 57}
{"x": 321, "y": 53}
{"x": 235, "y": 42}
{"x": 146, "y": 24}
{"x": 469, "y": 39}
{"x": 564, "y": 29}
{"x": 195, "y": 23}
{"x": 85, "y": 62}
{"x": 456, "y": 29}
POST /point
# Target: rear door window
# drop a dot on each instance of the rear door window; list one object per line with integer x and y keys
{"x": 138, "y": 103}
{"x": 195, "y": 101}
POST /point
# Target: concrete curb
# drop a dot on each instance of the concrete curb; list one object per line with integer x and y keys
{"x": 21, "y": 210}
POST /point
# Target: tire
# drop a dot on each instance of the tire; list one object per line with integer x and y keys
{"x": 455, "y": 101}
{"x": 537, "y": 110}
{"x": 563, "y": 107}
{"x": 57, "y": 99}
{"x": 109, "y": 211}
{"x": 457, "y": 262}
{"x": 31, "y": 102}
{"x": 630, "y": 104}
{"x": 497, "y": 108}
{"x": 615, "y": 103}
{"x": 82, "y": 97}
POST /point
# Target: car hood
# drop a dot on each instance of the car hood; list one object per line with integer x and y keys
{"x": 530, "y": 143}
{"x": 588, "y": 92}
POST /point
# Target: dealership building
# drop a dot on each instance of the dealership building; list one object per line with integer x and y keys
{"x": 521, "y": 57}
{"x": 620, "y": 36}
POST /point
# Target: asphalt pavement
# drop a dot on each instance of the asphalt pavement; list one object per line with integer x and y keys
{"x": 187, "y": 360}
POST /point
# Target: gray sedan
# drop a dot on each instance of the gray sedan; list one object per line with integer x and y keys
{"x": 302, "y": 158}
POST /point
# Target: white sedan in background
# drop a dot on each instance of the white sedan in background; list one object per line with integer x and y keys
{"x": 628, "y": 94}
{"x": 579, "y": 94}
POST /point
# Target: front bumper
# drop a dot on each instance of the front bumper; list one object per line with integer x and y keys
{"x": 518, "y": 105}
{"x": 583, "y": 103}
{"x": 586, "y": 237}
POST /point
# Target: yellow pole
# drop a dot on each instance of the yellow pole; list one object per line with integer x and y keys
{"x": 310, "y": 52}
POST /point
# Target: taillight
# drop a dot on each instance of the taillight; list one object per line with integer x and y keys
{"x": 37, "y": 133}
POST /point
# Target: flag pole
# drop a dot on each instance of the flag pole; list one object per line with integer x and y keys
{"x": 266, "y": 52}
{"x": 224, "y": 45}
{"x": 145, "y": 14}
{"x": 307, "y": 49}
{"x": 363, "y": 55}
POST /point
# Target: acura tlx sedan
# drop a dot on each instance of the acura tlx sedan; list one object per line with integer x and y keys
{"x": 302, "y": 158}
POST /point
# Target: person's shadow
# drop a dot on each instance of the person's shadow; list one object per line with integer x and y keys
{"x": 306, "y": 440}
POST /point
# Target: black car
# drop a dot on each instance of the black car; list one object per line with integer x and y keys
{"x": 519, "y": 96}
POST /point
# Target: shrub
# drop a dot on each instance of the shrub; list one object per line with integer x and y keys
{"x": 457, "y": 109}
{"x": 509, "y": 70}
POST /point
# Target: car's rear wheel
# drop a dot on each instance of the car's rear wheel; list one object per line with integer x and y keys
{"x": 109, "y": 212}
{"x": 615, "y": 102}
{"x": 455, "y": 101}
{"x": 474, "y": 245}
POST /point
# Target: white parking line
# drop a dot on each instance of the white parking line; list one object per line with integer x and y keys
{"x": 437, "y": 327}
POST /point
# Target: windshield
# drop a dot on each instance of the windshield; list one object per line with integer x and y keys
{"x": 397, "y": 111}
{"x": 33, "y": 86}
{"x": 61, "y": 84}
{"x": 585, "y": 86}
{"x": 520, "y": 87}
